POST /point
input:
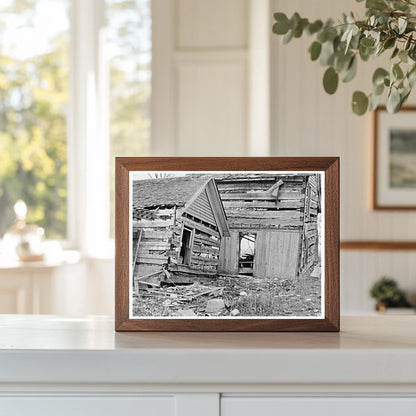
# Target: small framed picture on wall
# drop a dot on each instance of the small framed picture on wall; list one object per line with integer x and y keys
{"x": 394, "y": 178}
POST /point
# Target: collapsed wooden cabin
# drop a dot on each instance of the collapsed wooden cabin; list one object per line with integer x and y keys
{"x": 273, "y": 224}
{"x": 178, "y": 225}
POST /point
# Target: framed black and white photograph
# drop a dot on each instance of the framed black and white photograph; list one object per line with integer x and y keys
{"x": 238, "y": 249}
{"x": 394, "y": 159}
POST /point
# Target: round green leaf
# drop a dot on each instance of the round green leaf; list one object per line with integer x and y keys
{"x": 395, "y": 52}
{"x": 379, "y": 75}
{"x": 322, "y": 36}
{"x": 281, "y": 27}
{"x": 298, "y": 30}
{"x": 393, "y": 101}
{"x": 327, "y": 54}
{"x": 365, "y": 53}
{"x": 408, "y": 42}
{"x": 314, "y": 27}
{"x": 378, "y": 89}
{"x": 367, "y": 42}
{"x": 288, "y": 37}
{"x": 403, "y": 56}
{"x": 397, "y": 71}
{"x": 315, "y": 50}
{"x": 359, "y": 103}
{"x": 389, "y": 43}
{"x": 403, "y": 97}
{"x": 342, "y": 61}
{"x": 374, "y": 102}
{"x": 330, "y": 80}
{"x": 351, "y": 71}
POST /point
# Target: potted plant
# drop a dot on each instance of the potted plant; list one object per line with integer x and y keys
{"x": 387, "y": 294}
{"x": 389, "y": 27}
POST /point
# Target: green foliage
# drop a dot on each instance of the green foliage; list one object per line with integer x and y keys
{"x": 33, "y": 97}
{"x": 315, "y": 50}
{"x": 330, "y": 80}
{"x": 387, "y": 292}
{"x": 389, "y": 26}
{"x": 359, "y": 103}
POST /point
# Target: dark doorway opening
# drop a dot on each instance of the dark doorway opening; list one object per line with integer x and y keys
{"x": 186, "y": 246}
{"x": 246, "y": 253}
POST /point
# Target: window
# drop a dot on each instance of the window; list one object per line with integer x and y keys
{"x": 75, "y": 87}
{"x": 33, "y": 103}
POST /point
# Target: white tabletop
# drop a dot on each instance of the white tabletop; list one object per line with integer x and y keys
{"x": 376, "y": 349}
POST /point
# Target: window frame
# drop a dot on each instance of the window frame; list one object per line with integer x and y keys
{"x": 87, "y": 133}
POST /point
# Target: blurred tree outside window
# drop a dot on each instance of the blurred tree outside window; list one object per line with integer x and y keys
{"x": 33, "y": 102}
{"x": 34, "y": 94}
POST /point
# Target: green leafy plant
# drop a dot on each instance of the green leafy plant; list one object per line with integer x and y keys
{"x": 389, "y": 27}
{"x": 387, "y": 293}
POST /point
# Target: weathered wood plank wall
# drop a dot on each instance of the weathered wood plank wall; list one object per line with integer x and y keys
{"x": 251, "y": 207}
{"x": 277, "y": 254}
{"x": 201, "y": 208}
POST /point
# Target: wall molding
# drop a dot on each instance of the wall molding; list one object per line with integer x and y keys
{"x": 377, "y": 245}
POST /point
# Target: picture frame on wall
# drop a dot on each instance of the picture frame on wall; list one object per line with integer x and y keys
{"x": 227, "y": 244}
{"x": 394, "y": 152}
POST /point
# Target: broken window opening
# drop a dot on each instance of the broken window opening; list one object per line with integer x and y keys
{"x": 246, "y": 253}
{"x": 186, "y": 246}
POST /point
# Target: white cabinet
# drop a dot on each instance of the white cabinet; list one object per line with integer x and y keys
{"x": 271, "y": 406}
{"x": 51, "y": 365}
{"x": 88, "y": 406}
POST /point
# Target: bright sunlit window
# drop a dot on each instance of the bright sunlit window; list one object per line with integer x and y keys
{"x": 33, "y": 100}
{"x": 40, "y": 86}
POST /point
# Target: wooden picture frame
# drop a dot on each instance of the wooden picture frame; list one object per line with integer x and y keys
{"x": 394, "y": 184}
{"x": 260, "y": 169}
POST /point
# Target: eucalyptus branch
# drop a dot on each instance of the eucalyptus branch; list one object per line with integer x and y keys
{"x": 389, "y": 25}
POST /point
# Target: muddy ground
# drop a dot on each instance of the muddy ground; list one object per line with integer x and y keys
{"x": 233, "y": 296}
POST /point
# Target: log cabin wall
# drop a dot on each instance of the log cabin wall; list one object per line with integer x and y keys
{"x": 154, "y": 239}
{"x": 278, "y": 223}
{"x": 310, "y": 236}
{"x": 158, "y": 233}
{"x": 206, "y": 242}
{"x": 175, "y": 224}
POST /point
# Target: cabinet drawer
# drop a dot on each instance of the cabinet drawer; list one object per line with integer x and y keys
{"x": 273, "y": 406}
{"x": 87, "y": 406}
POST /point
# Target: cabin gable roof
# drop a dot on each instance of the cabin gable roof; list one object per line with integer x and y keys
{"x": 169, "y": 191}
{"x": 180, "y": 191}
{"x": 217, "y": 207}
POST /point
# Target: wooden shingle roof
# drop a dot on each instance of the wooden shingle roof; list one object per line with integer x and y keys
{"x": 168, "y": 191}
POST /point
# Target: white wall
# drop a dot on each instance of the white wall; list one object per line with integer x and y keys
{"x": 200, "y": 77}
{"x": 308, "y": 122}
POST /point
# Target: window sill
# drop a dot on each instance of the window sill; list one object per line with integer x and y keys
{"x": 50, "y": 261}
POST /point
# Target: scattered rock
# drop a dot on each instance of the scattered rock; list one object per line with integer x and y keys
{"x": 167, "y": 302}
{"x": 243, "y": 293}
{"x": 316, "y": 272}
{"x": 185, "y": 312}
{"x": 235, "y": 312}
{"x": 215, "y": 306}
